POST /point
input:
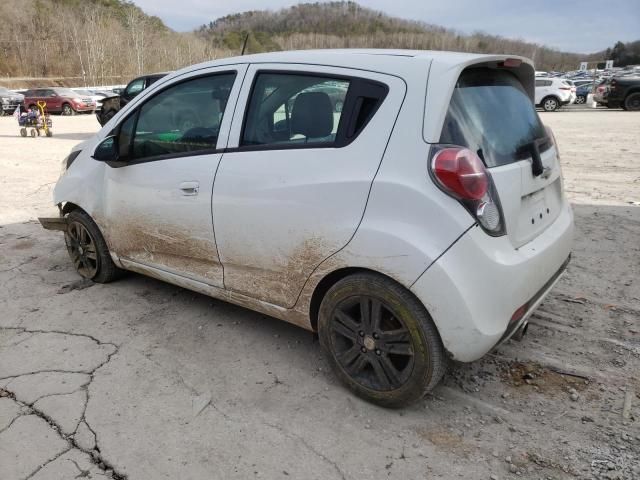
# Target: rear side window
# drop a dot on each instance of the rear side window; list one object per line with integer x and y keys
{"x": 294, "y": 109}
{"x": 491, "y": 114}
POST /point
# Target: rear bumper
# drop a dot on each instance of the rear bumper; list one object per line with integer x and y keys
{"x": 474, "y": 289}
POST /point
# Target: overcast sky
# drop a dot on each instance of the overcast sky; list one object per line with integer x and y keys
{"x": 582, "y": 26}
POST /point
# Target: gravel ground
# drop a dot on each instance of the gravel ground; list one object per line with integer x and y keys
{"x": 141, "y": 379}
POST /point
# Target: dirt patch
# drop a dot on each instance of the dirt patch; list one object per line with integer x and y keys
{"x": 152, "y": 241}
{"x": 445, "y": 439}
{"x": 282, "y": 284}
{"x": 23, "y": 245}
{"x": 534, "y": 377}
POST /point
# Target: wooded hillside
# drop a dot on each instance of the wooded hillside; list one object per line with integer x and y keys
{"x": 93, "y": 42}
{"x": 347, "y": 24}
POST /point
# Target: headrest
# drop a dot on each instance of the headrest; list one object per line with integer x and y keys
{"x": 312, "y": 115}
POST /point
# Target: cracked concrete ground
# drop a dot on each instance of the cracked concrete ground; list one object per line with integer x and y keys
{"x": 143, "y": 380}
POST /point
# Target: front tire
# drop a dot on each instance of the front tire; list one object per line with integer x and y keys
{"x": 632, "y": 102}
{"x": 67, "y": 110}
{"x": 380, "y": 341}
{"x": 581, "y": 99}
{"x": 550, "y": 104}
{"x": 88, "y": 250}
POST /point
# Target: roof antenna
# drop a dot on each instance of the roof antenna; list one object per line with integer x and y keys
{"x": 244, "y": 45}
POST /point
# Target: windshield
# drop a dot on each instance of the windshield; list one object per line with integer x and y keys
{"x": 490, "y": 113}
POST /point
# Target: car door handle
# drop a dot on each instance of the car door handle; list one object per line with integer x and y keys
{"x": 190, "y": 188}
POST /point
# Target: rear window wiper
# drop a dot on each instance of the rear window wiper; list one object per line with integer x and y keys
{"x": 533, "y": 148}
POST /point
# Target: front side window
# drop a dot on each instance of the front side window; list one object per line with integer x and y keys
{"x": 292, "y": 109}
{"x": 183, "y": 118}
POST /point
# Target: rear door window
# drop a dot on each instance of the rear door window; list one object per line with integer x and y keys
{"x": 294, "y": 109}
{"x": 491, "y": 114}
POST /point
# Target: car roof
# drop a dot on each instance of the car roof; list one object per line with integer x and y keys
{"x": 382, "y": 60}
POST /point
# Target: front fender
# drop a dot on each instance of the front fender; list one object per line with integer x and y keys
{"x": 82, "y": 183}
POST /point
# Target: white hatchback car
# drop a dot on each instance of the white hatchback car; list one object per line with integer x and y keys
{"x": 406, "y": 205}
{"x": 553, "y": 93}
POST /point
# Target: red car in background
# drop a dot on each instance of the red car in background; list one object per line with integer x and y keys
{"x": 59, "y": 100}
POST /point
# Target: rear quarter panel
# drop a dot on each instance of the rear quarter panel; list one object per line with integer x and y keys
{"x": 408, "y": 222}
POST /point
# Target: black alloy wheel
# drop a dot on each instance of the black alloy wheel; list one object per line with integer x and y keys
{"x": 82, "y": 250}
{"x": 380, "y": 340}
{"x": 371, "y": 343}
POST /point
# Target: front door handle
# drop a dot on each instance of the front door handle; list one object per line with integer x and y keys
{"x": 190, "y": 188}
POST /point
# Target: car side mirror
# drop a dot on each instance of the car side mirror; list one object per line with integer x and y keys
{"x": 107, "y": 151}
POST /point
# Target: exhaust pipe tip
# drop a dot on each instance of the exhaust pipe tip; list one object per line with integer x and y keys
{"x": 521, "y": 332}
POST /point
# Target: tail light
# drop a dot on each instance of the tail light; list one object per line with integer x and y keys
{"x": 564, "y": 88}
{"x": 460, "y": 173}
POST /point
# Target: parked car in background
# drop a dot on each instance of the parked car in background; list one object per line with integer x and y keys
{"x": 95, "y": 95}
{"x": 112, "y": 105}
{"x": 59, "y": 100}
{"x": 579, "y": 83}
{"x": 582, "y": 92}
{"x": 552, "y": 93}
{"x": 624, "y": 92}
{"x": 601, "y": 92}
{"x": 573, "y": 90}
{"x": 9, "y": 101}
{"x": 403, "y": 236}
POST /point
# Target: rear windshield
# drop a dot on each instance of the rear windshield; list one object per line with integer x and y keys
{"x": 491, "y": 114}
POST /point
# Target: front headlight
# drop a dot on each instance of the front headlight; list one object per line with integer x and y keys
{"x": 5, "y": 100}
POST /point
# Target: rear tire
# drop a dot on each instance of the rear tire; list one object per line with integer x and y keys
{"x": 632, "y": 102}
{"x": 88, "y": 250}
{"x": 380, "y": 341}
{"x": 23, "y": 132}
{"x": 550, "y": 104}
